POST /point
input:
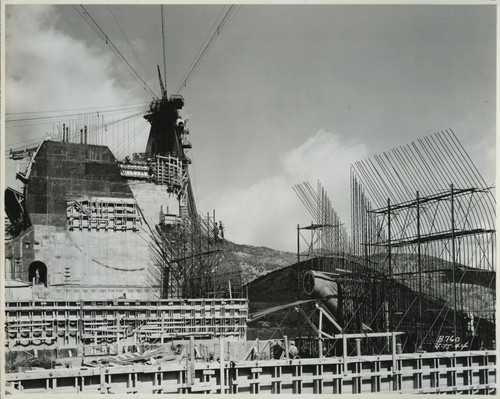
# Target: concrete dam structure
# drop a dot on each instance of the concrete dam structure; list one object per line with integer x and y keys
{"x": 116, "y": 284}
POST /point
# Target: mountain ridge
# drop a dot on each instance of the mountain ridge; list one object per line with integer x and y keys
{"x": 256, "y": 261}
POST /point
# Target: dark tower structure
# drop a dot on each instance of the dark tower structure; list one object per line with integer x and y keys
{"x": 168, "y": 137}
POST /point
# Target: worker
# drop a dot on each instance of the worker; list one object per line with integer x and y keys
{"x": 470, "y": 322}
{"x": 292, "y": 350}
{"x": 221, "y": 228}
{"x": 216, "y": 232}
{"x": 277, "y": 350}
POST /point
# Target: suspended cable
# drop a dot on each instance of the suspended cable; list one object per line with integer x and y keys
{"x": 47, "y": 123}
{"x": 130, "y": 44}
{"x": 67, "y": 115}
{"x": 207, "y": 45}
{"x": 38, "y": 123}
{"x": 95, "y": 26}
{"x": 37, "y": 140}
{"x": 163, "y": 51}
{"x": 74, "y": 109}
{"x": 125, "y": 147}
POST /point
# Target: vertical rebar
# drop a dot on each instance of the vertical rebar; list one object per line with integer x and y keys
{"x": 419, "y": 259}
{"x": 298, "y": 261}
{"x": 454, "y": 264}
{"x": 390, "y": 260}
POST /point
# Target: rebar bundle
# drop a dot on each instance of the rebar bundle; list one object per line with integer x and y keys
{"x": 423, "y": 216}
{"x": 190, "y": 261}
{"x": 422, "y": 250}
{"x": 328, "y": 234}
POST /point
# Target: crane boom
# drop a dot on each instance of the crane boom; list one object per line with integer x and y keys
{"x": 163, "y": 91}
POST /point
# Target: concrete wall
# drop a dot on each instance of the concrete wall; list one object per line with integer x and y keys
{"x": 97, "y": 264}
{"x": 63, "y": 171}
{"x": 18, "y": 254}
{"x": 152, "y": 199}
{"x": 82, "y": 264}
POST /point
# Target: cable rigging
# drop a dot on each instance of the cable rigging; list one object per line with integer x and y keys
{"x": 68, "y": 115}
{"x": 164, "y": 87}
{"x": 46, "y": 117}
{"x": 96, "y": 28}
{"x": 106, "y": 125}
{"x": 74, "y": 109}
{"x": 207, "y": 45}
{"x": 130, "y": 44}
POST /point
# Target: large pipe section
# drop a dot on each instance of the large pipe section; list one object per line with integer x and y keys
{"x": 323, "y": 286}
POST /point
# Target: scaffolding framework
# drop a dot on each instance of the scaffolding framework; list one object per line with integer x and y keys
{"x": 425, "y": 218}
{"x": 49, "y": 325}
{"x": 100, "y": 213}
{"x": 191, "y": 260}
{"x": 422, "y": 250}
{"x": 325, "y": 237}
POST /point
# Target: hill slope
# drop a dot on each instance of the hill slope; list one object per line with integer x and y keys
{"x": 257, "y": 261}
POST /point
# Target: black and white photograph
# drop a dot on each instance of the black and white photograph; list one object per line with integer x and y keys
{"x": 248, "y": 198}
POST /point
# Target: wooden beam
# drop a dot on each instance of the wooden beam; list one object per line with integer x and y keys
{"x": 325, "y": 312}
{"x": 367, "y": 335}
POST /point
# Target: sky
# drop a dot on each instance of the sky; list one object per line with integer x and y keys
{"x": 287, "y": 93}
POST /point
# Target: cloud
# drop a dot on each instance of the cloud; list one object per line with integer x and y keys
{"x": 267, "y": 213}
{"x": 48, "y": 70}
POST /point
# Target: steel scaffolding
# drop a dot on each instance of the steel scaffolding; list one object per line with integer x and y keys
{"x": 325, "y": 237}
{"x": 422, "y": 250}
{"x": 424, "y": 218}
{"x": 192, "y": 261}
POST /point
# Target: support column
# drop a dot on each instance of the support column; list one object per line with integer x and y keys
{"x": 394, "y": 362}
{"x": 192, "y": 361}
{"x": 389, "y": 288}
{"x": 320, "y": 337}
{"x": 454, "y": 267}
{"x": 344, "y": 353}
{"x": 298, "y": 262}
{"x": 221, "y": 358}
{"x": 419, "y": 260}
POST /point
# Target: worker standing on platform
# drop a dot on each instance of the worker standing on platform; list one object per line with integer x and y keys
{"x": 292, "y": 350}
{"x": 277, "y": 350}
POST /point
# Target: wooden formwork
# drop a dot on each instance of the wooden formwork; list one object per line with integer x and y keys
{"x": 52, "y": 325}
{"x": 439, "y": 372}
